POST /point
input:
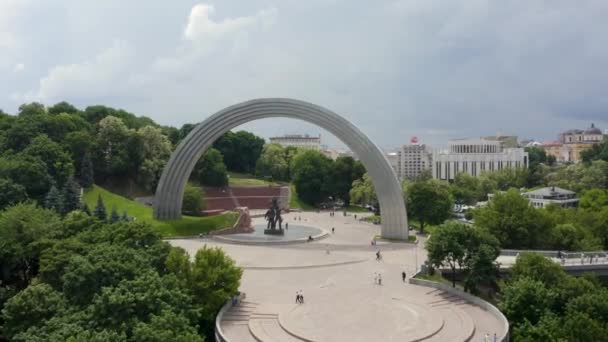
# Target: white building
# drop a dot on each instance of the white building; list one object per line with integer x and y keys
{"x": 552, "y": 195}
{"x": 410, "y": 160}
{"x": 475, "y": 156}
{"x": 298, "y": 140}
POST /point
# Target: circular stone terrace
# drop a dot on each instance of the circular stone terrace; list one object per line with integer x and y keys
{"x": 342, "y": 301}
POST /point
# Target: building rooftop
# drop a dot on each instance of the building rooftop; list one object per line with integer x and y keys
{"x": 550, "y": 191}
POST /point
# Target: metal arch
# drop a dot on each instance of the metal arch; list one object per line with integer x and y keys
{"x": 169, "y": 193}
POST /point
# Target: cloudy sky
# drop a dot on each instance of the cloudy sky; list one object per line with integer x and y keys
{"x": 397, "y": 68}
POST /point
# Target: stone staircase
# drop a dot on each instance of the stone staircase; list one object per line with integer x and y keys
{"x": 249, "y": 322}
{"x": 456, "y": 321}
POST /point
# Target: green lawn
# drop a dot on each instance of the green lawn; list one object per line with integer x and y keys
{"x": 356, "y": 209}
{"x": 410, "y": 239}
{"x": 295, "y": 202}
{"x": 245, "y": 180}
{"x": 187, "y": 225}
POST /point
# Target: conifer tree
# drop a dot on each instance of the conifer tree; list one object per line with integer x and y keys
{"x": 85, "y": 208}
{"x": 71, "y": 196}
{"x": 86, "y": 171}
{"x": 114, "y": 217}
{"x": 53, "y": 199}
{"x": 125, "y": 217}
{"x": 100, "y": 209}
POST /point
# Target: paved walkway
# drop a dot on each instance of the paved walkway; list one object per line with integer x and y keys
{"x": 342, "y": 301}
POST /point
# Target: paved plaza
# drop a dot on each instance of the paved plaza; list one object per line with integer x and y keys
{"x": 342, "y": 302}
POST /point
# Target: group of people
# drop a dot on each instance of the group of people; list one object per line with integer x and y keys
{"x": 299, "y": 297}
{"x": 377, "y": 278}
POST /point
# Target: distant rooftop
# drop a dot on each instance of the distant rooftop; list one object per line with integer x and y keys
{"x": 550, "y": 191}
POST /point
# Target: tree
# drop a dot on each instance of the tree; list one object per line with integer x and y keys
{"x": 11, "y": 193}
{"x": 155, "y": 152}
{"x": 536, "y": 267}
{"x": 124, "y": 217}
{"x": 62, "y": 107}
{"x": 515, "y": 223}
{"x": 579, "y": 177}
{"x": 54, "y": 200}
{"x": 86, "y": 209}
{"x": 466, "y": 248}
{"x": 596, "y": 152}
{"x": 272, "y": 163}
{"x": 526, "y": 299}
{"x": 362, "y": 191}
{"x": 310, "y": 172}
{"x": 466, "y": 189}
{"x": 192, "y": 203}
{"x": 70, "y": 196}
{"x": 100, "y": 209}
{"x": 429, "y": 202}
{"x": 210, "y": 169}
{"x": 241, "y": 150}
{"x": 594, "y": 199}
{"x": 344, "y": 171}
{"x": 32, "y": 109}
{"x": 58, "y": 163}
{"x": 114, "y": 217}
{"x": 30, "y": 172}
{"x": 22, "y": 228}
{"x": 31, "y": 306}
{"x": 214, "y": 279}
{"x": 87, "y": 177}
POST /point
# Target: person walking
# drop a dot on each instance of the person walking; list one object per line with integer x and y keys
{"x": 403, "y": 276}
{"x": 375, "y": 278}
{"x": 486, "y": 338}
{"x": 301, "y": 297}
{"x": 333, "y": 230}
{"x": 297, "y": 297}
{"x": 379, "y": 279}
{"x": 286, "y": 225}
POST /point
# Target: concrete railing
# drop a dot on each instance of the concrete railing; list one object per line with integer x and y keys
{"x": 219, "y": 333}
{"x": 552, "y": 254}
{"x": 502, "y": 336}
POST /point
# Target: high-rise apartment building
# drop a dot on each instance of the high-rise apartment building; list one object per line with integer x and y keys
{"x": 411, "y": 160}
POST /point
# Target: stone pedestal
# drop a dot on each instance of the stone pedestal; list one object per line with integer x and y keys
{"x": 274, "y": 231}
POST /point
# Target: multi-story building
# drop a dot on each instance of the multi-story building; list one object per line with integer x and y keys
{"x": 411, "y": 160}
{"x": 552, "y": 195}
{"x": 572, "y": 142}
{"x": 509, "y": 141}
{"x": 298, "y": 140}
{"x": 476, "y": 156}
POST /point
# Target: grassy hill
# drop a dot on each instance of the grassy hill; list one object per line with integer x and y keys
{"x": 187, "y": 225}
{"x": 246, "y": 180}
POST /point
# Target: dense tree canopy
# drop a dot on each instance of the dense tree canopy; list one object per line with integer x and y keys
{"x": 542, "y": 302}
{"x": 310, "y": 171}
{"x": 464, "y": 247}
{"x": 210, "y": 169}
{"x": 273, "y": 163}
{"x": 241, "y": 150}
{"x": 429, "y": 202}
{"x": 80, "y": 279}
{"x": 515, "y": 223}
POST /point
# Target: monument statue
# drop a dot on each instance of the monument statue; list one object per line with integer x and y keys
{"x": 273, "y": 215}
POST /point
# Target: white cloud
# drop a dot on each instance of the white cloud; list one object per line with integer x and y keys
{"x": 101, "y": 76}
{"x": 19, "y": 67}
{"x": 201, "y": 27}
{"x": 202, "y": 34}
